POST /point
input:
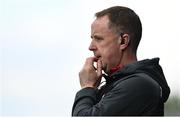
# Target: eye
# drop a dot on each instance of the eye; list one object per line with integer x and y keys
{"x": 97, "y": 38}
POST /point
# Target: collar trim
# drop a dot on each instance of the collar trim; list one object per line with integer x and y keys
{"x": 116, "y": 68}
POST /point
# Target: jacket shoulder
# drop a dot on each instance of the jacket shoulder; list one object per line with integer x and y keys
{"x": 136, "y": 83}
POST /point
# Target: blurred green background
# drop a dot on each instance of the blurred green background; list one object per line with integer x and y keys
{"x": 172, "y": 106}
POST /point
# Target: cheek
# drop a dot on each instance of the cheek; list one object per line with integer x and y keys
{"x": 106, "y": 56}
{"x": 108, "y": 52}
{"x": 111, "y": 56}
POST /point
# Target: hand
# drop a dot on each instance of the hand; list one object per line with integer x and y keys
{"x": 89, "y": 76}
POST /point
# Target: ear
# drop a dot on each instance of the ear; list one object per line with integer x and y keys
{"x": 124, "y": 41}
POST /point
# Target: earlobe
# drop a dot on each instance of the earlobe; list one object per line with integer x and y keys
{"x": 124, "y": 41}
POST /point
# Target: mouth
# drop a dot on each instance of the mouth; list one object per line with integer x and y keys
{"x": 97, "y": 57}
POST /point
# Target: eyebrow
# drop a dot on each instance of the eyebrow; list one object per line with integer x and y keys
{"x": 96, "y": 36}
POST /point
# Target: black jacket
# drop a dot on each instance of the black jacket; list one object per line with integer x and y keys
{"x": 139, "y": 88}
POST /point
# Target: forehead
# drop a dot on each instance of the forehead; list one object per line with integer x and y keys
{"x": 100, "y": 24}
{"x": 101, "y": 21}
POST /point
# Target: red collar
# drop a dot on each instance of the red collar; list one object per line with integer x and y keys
{"x": 116, "y": 68}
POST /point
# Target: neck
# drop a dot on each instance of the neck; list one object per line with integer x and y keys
{"x": 128, "y": 57}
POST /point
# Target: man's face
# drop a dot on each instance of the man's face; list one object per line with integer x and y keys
{"x": 105, "y": 43}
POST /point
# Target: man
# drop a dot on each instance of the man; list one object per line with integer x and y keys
{"x": 132, "y": 87}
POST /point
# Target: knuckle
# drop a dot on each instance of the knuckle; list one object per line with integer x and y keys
{"x": 87, "y": 59}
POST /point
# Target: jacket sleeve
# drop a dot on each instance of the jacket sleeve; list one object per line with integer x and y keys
{"x": 85, "y": 101}
{"x": 129, "y": 97}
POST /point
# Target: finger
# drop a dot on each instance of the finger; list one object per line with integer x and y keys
{"x": 99, "y": 68}
{"x": 88, "y": 65}
{"x": 91, "y": 60}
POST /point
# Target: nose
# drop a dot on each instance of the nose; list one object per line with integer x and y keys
{"x": 92, "y": 46}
